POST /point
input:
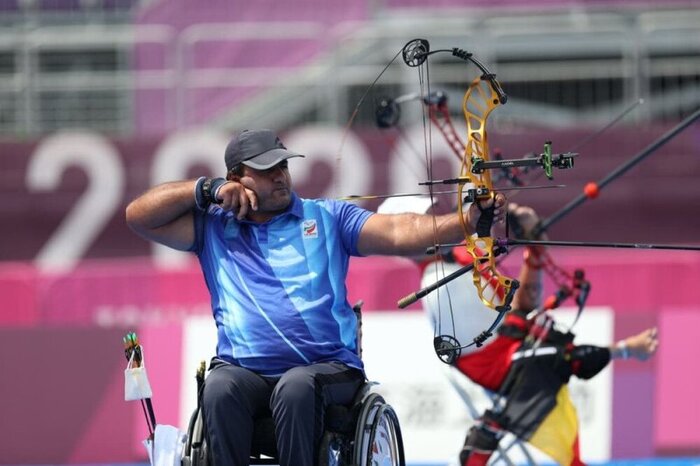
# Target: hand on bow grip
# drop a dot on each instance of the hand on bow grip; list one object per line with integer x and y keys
{"x": 484, "y": 213}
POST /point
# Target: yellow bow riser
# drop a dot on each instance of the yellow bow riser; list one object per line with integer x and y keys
{"x": 495, "y": 290}
{"x": 479, "y": 101}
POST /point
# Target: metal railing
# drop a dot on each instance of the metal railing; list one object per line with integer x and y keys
{"x": 132, "y": 79}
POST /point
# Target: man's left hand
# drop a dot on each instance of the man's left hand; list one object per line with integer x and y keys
{"x": 499, "y": 214}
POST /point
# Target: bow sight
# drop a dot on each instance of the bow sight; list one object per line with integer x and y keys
{"x": 546, "y": 160}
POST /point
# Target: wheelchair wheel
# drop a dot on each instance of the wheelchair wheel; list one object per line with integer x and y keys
{"x": 372, "y": 438}
{"x": 335, "y": 450}
{"x": 196, "y": 452}
{"x": 378, "y": 440}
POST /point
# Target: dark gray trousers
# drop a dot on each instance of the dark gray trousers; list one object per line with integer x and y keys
{"x": 233, "y": 397}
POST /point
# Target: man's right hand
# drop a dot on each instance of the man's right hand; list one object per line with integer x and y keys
{"x": 235, "y": 197}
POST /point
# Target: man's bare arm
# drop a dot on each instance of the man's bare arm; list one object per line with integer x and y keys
{"x": 164, "y": 214}
{"x": 411, "y": 234}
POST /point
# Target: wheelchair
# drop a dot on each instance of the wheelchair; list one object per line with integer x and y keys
{"x": 366, "y": 433}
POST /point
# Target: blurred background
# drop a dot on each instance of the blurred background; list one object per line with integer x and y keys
{"x": 101, "y": 99}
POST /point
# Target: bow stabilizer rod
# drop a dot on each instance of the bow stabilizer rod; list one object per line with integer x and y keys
{"x": 416, "y": 295}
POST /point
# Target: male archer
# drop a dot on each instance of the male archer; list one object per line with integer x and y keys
{"x": 275, "y": 266}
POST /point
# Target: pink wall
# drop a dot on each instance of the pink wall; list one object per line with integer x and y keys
{"x": 677, "y": 426}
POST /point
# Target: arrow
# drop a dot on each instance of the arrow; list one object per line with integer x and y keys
{"x": 673, "y": 247}
{"x": 357, "y": 197}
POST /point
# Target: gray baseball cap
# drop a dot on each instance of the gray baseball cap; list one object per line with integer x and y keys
{"x": 257, "y": 148}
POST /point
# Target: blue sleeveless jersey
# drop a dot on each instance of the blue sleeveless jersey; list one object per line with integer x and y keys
{"x": 277, "y": 289}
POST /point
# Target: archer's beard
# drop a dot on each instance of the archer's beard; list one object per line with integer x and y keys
{"x": 278, "y": 201}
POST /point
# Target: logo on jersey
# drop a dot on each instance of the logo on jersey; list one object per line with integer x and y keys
{"x": 310, "y": 229}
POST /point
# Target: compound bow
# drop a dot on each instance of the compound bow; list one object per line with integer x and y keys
{"x": 475, "y": 184}
{"x": 482, "y": 97}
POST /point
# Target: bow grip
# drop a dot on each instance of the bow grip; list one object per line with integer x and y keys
{"x": 485, "y": 222}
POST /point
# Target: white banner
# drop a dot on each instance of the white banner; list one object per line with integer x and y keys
{"x": 434, "y": 419}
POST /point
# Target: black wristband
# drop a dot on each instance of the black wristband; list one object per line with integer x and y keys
{"x": 198, "y": 196}
{"x": 205, "y": 190}
{"x": 211, "y": 187}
